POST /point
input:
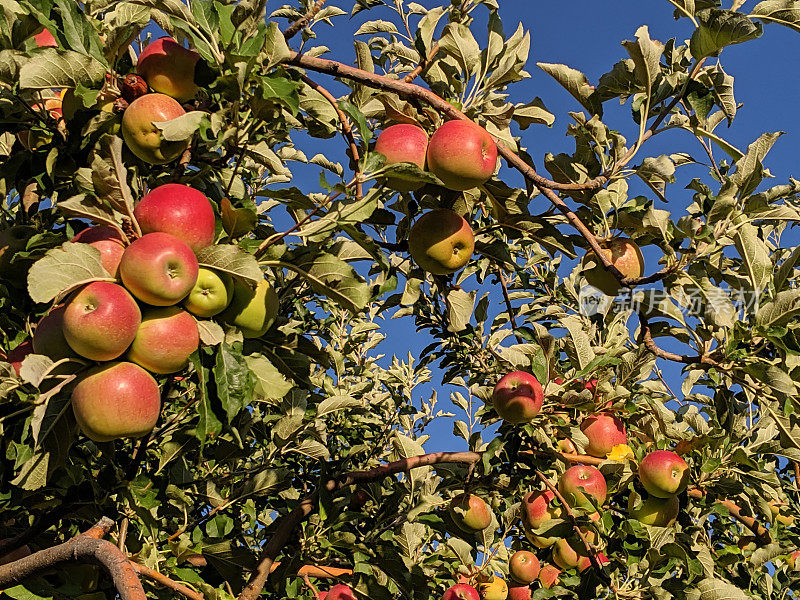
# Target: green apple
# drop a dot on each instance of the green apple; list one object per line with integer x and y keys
{"x": 252, "y": 310}
{"x": 441, "y": 241}
{"x": 211, "y": 294}
{"x": 657, "y": 512}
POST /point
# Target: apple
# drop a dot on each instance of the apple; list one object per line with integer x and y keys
{"x": 548, "y": 576}
{"x": 518, "y": 397}
{"x": 461, "y": 591}
{"x": 623, "y": 254}
{"x": 165, "y": 340}
{"x": 403, "y": 143}
{"x": 101, "y": 320}
{"x": 116, "y": 400}
{"x": 462, "y": 155}
{"x": 132, "y": 86}
{"x": 32, "y": 140}
{"x": 519, "y": 592}
{"x": 340, "y": 592}
{"x": 179, "y": 210}
{"x": 566, "y": 446}
{"x": 211, "y": 294}
{"x": 775, "y": 508}
{"x": 793, "y": 560}
{"x": 470, "y": 512}
{"x": 571, "y": 553}
{"x": 142, "y": 137}
{"x": 663, "y": 474}
{"x": 45, "y": 39}
{"x": 159, "y": 269}
{"x": 495, "y": 589}
{"x": 108, "y": 241}
{"x": 322, "y": 595}
{"x": 168, "y": 68}
{"x": 359, "y": 499}
{"x": 252, "y": 310}
{"x": 523, "y": 567}
{"x": 48, "y": 337}
{"x": 581, "y": 481}
{"x": 604, "y": 432}
{"x": 18, "y": 354}
{"x": 441, "y": 241}
{"x": 657, "y": 512}
{"x": 538, "y": 507}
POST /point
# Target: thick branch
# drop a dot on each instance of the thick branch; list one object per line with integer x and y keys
{"x": 295, "y": 27}
{"x": 167, "y": 582}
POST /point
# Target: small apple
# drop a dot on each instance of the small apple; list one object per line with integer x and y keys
{"x": 604, "y": 432}
{"x": 340, "y": 592}
{"x": 523, "y": 567}
{"x": 18, "y": 354}
{"x": 566, "y": 446}
{"x": 116, "y": 400}
{"x": 441, "y": 241}
{"x": 462, "y": 154}
{"x": 45, "y": 39}
{"x": 211, "y": 294}
{"x": 142, "y": 137}
{"x": 581, "y": 481}
{"x": 623, "y": 254}
{"x": 776, "y": 508}
{"x": 108, "y": 241}
{"x": 165, "y": 340}
{"x": 538, "y": 507}
{"x": 359, "y": 498}
{"x": 657, "y": 512}
{"x": 159, "y": 269}
{"x": 517, "y": 591}
{"x": 793, "y": 560}
{"x": 518, "y": 397}
{"x": 663, "y": 474}
{"x": 470, "y": 512}
{"x": 461, "y": 591}
{"x": 179, "y": 210}
{"x": 168, "y": 68}
{"x": 571, "y": 553}
{"x": 252, "y": 310}
{"x": 403, "y": 143}
{"x": 548, "y": 576}
{"x": 494, "y": 589}
{"x": 101, "y": 320}
{"x": 132, "y": 86}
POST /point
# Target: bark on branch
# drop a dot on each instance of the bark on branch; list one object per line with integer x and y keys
{"x": 167, "y": 582}
{"x": 295, "y": 27}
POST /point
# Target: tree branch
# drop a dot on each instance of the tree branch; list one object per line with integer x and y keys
{"x": 295, "y": 27}
{"x": 762, "y": 534}
{"x": 646, "y": 335}
{"x": 166, "y": 581}
{"x": 423, "y": 65}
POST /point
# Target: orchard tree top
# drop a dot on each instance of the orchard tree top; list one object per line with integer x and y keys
{"x": 191, "y": 327}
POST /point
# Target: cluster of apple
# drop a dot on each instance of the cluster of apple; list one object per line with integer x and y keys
{"x": 145, "y": 322}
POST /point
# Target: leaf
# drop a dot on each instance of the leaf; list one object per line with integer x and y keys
{"x": 716, "y": 589}
{"x": 34, "y": 368}
{"x": 378, "y": 26}
{"x": 720, "y": 28}
{"x": 533, "y": 112}
{"x": 207, "y": 424}
{"x": 646, "y": 54}
{"x": 233, "y": 380}
{"x": 211, "y": 332}
{"x": 576, "y": 84}
{"x": 754, "y": 251}
{"x": 581, "y": 346}
{"x": 276, "y": 50}
{"x": 334, "y": 403}
{"x": 722, "y": 88}
{"x": 181, "y": 128}
{"x": 269, "y": 382}
{"x": 749, "y": 168}
{"x": 233, "y": 260}
{"x": 460, "y": 305}
{"x": 52, "y": 68}
{"x": 457, "y": 41}
{"x": 89, "y": 207}
{"x": 63, "y": 269}
{"x": 237, "y": 221}
{"x": 334, "y": 278}
{"x": 109, "y": 175}
{"x": 782, "y": 12}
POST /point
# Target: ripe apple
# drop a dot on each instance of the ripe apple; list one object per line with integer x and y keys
{"x": 548, "y": 576}
{"x": 663, "y": 474}
{"x": 108, "y": 241}
{"x": 470, "y": 512}
{"x": 322, "y": 595}
{"x": 142, "y": 137}
{"x": 100, "y": 321}
{"x": 403, "y": 143}
{"x": 340, "y": 592}
{"x": 45, "y": 39}
{"x": 211, "y": 294}
{"x": 252, "y": 310}
{"x": 519, "y": 592}
{"x": 571, "y": 553}
{"x": 518, "y": 397}
{"x": 165, "y": 339}
{"x": 159, "y": 269}
{"x": 581, "y": 481}
{"x": 523, "y": 567}
{"x": 496, "y": 589}
{"x": 441, "y": 241}
{"x": 623, "y": 254}
{"x": 793, "y": 560}
{"x": 18, "y": 354}
{"x": 657, "y": 512}
{"x": 538, "y": 507}
{"x": 48, "y": 337}
{"x": 179, "y": 210}
{"x": 116, "y": 400}
{"x": 168, "y": 68}
{"x": 462, "y": 154}
{"x": 461, "y": 591}
{"x": 604, "y": 432}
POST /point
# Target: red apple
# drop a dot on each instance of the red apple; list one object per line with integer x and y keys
{"x": 470, "y": 512}
{"x": 539, "y": 507}
{"x": 518, "y": 397}
{"x": 179, "y": 210}
{"x": 159, "y": 269}
{"x": 523, "y": 567}
{"x": 18, "y": 354}
{"x": 663, "y": 474}
{"x": 571, "y": 553}
{"x": 519, "y": 592}
{"x": 657, "y": 512}
{"x": 48, "y": 337}
{"x": 441, "y": 241}
{"x": 165, "y": 340}
{"x": 101, "y": 320}
{"x": 45, "y": 39}
{"x": 793, "y": 560}
{"x": 548, "y": 576}
{"x": 403, "y": 143}
{"x": 461, "y": 591}
{"x": 581, "y": 481}
{"x": 168, "y": 68}
{"x": 116, "y": 400}
{"x": 462, "y": 154}
{"x": 322, "y": 595}
{"x": 623, "y": 254}
{"x": 108, "y": 241}
{"x": 604, "y": 432}
{"x": 142, "y": 137}
{"x": 340, "y": 592}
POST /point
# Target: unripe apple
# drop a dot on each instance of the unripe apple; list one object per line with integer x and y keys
{"x": 211, "y": 294}
{"x": 566, "y": 446}
{"x": 48, "y": 337}
{"x": 571, "y": 553}
{"x": 523, "y": 567}
{"x": 116, "y": 400}
{"x": 168, "y": 68}
{"x": 441, "y": 241}
{"x": 108, "y": 241}
{"x": 179, "y": 210}
{"x": 518, "y": 397}
{"x": 623, "y": 254}
{"x": 165, "y": 340}
{"x": 657, "y": 512}
{"x": 159, "y": 269}
{"x": 604, "y": 432}
{"x": 142, "y": 137}
{"x": 403, "y": 143}
{"x": 252, "y": 310}
{"x": 519, "y": 592}
{"x": 548, "y": 576}
{"x": 539, "y": 507}
{"x": 100, "y": 321}
{"x": 462, "y": 154}
{"x": 775, "y": 509}
{"x": 581, "y": 481}
{"x": 470, "y": 512}
{"x": 461, "y": 591}
{"x": 663, "y": 474}
{"x": 45, "y": 39}
{"x": 495, "y": 589}
{"x": 18, "y": 354}
{"x": 340, "y": 592}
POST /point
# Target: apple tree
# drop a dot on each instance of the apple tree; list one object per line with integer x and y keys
{"x": 209, "y": 219}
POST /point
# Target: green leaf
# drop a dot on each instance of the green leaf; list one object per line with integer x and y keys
{"x": 109, "y": 175}
{"x": 580, "y": 348}
{"x": 52, "y": 68}
{"x": 721, "y": 28}
{"x": 208, "y": 424}
{"x": 269, "y": 382}
{"x": 334, "y": 403}
{"x": 63, "y": 269}
{"x": 646, "y": 54}
{"x": 716, "y": 589}
{"x": 181, "y": 128}
{"x": 457, "y": 41}
{"x": 576, "y": 84}
{"x": 359, "y": 118}
{"x": 233, "y": 380}
{"x": 749, "y": 168}
{"x": 460, "y": 305}
{"x": 276, "y": 49}
{"x": 533, "y": 112}
{"x": 783, "y": 12}
{"x": 211, "y": 332}
{"x": 332, "y": 277}
{"x": 233, "y": 260}
{"x": 756, "y": 262}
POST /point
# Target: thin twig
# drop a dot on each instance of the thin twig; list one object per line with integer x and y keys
{"x": 166, "y": 581}
{"x": 295, "y": 27}
{"x": 423, "y": 65}
{"x": 507, "y": 298}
